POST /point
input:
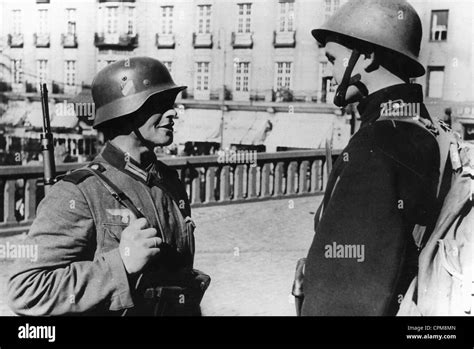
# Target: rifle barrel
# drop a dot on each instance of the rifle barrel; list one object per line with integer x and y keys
{"x": 45, "y": 107}
{"x": 47, "y": 142}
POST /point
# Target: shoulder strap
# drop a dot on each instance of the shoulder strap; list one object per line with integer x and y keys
{"x": 75, "y": 177}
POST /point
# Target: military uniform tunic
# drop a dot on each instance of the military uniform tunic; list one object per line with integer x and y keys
{"x": 78, "y": 228}
{"x": 383, "y": 183}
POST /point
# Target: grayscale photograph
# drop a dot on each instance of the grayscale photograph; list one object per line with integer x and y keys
{"x": 262, "y": 158}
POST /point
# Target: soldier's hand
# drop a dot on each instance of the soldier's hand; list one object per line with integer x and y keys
{"x": 138, "y": 245}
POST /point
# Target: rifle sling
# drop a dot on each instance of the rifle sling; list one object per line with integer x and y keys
{"x": 117, "y": 194}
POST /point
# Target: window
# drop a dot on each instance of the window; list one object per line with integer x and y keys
{"x": 204, "y": 19}
{"x": 111, "y": 19}
{"x": 70, "y": 72}
{"x": 435, "y": 82}
{"x": 439, "y": 25}
{"x": 130, "y": 20}
{"x": 286, "y": 16}
{"x": 330, "y": 7}
{"x": 71, "y": 21}
{"x": 16, "y": 22}
{"x": 202, "y": 76}
{"x": 283, "y": 75}
{"x": 243, "y": 23}
{"x": 242, "y": 75}
{"x": 166, "y": 19}
{"x": 43, "y": 21}
{"x": 42, "y": 72}
{"x": 168, "y": 65}
{"x": 17, "y": 72}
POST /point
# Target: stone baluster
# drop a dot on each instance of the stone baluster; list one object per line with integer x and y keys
{"x": 9, "y": 202}
{"x": 302, "y": 178}
{"x": 30, "y": 199}
{"x": 196, "y": 188}
{"x": 279, "y": 169}
{"x": 265, "y": 188}
{"x": 239, "y": 182}
{"x": 210, "y": 184}
{"x": 224, "y": 187}
{"x": 291, "y": 178}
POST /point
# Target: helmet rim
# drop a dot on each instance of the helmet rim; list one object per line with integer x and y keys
{"x": 416, "y": 68}
{"x": 378, "y": 22}
{"x": 129, "y": 104}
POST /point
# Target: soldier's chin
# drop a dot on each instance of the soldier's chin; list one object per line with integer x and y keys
{"x": 167, "y": 142}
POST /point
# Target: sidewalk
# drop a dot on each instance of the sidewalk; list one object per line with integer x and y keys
{"x": 250, "y": 250}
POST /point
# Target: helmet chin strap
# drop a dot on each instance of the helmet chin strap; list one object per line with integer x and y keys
{"x": 150, "y": 145}
{"x": 347, "y": 80}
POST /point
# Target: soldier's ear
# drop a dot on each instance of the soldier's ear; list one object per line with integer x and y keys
{"x": 370, "y": 61}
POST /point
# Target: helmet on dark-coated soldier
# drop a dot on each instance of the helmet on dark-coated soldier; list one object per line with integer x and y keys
{"x": 121, "y": 88}
{"x": 390, "y": 28}
{"x": 390, "y": 24}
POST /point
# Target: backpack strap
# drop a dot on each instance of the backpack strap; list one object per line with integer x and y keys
{"x": 444, "y": 137}
{"x": 447, "y": 144}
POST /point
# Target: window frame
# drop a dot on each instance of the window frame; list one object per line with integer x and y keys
{"x": 71, "y": 21}
{"x": 244, "y": 18}
{"x": 17, "y": 21}
{"x": 111, "y": 21}
{"x": 202, "y": 76}
{"x": 242, "y": 77}
{"x": 167, "y": 16}
{"x": 70, "y": 72}
{"x": 284, "y": 75}
{"x": 433, "y": 12}
{"x": 286, "y": 16}
{"x": 43, "y": 21}
{"x": 168, "y": 65}
{"x": 330, "y": 6}
{"x": 429, "y": 70}
{"x": 17, "y": 71}
{"x": 204, "y": 19}
{"x": 40, "y": 70}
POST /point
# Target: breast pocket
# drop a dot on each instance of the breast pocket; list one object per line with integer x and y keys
{"x": 111, "y": 235}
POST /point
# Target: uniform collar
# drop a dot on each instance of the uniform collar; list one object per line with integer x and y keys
{"x": 370, "y": 107}
{"x": 117, "y": 158}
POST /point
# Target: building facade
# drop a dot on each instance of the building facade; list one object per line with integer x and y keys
{"x": 239, "y": 51}
{"x": 447, "y": 54}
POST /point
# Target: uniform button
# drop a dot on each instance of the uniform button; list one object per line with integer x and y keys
{"x": 149, "y": 293}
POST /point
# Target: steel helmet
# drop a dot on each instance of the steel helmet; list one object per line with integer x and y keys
{"x": 391, "y": 24}
{"x": 124, "y": 86}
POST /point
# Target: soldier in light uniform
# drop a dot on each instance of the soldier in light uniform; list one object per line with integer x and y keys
{"x": 110, "y": 233}
{"x": 385, "y": 180}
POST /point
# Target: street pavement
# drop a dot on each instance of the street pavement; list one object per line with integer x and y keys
{"x": 249, "y": 250}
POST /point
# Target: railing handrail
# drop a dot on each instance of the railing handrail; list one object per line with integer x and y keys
{"x": 7, "y": 172}
{"x": 209, "y": 180}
